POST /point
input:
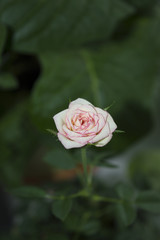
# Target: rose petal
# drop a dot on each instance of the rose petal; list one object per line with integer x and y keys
{"x": 78, "y": 137}
{"x": 101, "y": 111}
{"x": 92, "y": 131}
{"x": 79, "y": 109}
{"x": 111, "y": 123}
{"x": 103, "y": 141}
{"x": 83, "y": 140}
{"x": 82, "y": 123}
{"x": 103, "y": 134}
{"x": 70, "y": 133}
{"x": 67, "y": 143}
{"x": 101, "y": 121}
{"x": 59, "y": 119}
{"x": 78, "y": 101}
{"x": 87, "y": 108}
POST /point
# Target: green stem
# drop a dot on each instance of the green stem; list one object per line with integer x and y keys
{"x": 105, "y": 199}
{"x": 90, "y": 175}
{"x": 85, "y": 194}
{"x": 85, "y": 170}
{"x": 93, "y": 76}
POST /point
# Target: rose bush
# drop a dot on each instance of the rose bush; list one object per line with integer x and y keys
{"x": 82, "y": 124}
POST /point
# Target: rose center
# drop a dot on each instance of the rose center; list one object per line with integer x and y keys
{"x": 82, "y": 122}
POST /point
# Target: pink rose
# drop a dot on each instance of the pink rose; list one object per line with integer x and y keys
{"x": 82, "y": 124}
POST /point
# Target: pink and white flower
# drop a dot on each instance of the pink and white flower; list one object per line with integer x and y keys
{"x": 82, "y": 124}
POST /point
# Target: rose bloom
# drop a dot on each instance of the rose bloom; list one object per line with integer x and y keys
{"x": 82, "y": 124}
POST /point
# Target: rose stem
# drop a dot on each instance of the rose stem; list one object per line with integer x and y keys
{"x": 84, "y": 163}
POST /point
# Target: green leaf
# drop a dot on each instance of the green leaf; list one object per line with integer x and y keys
{"x": 144, "y": 168}
{"x": 143, "y": 3}
{"x": 47, "y": 25}
{"x": 61, "y": 208}
{"x": 3, "y": 36}
{"x": 126, "y": 192}
{"x": 98, "y": 76}
{"x": 101, "y": 156}
{"x": 60, "y": 158}
{"x": 149, "y": 201}
{"x": 29, "y": 191}
{"x": 14, "y": 125}
{"x": 126, "y": 212}
{"x": 7, "y": 81}
{"x": 107, "y": 108}
{"x": 57, "y": 236}
{"x": 101, "y": 160}
{"x": 52, "y": 132}
{"x": 90, "y": 226}
{"x": 119, "y": 131}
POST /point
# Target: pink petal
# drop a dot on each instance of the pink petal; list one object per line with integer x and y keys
{"x": 102, "y": 134}
{"x": 70, "y": 133}
{"x": 77, "y": 137}
{"x": 75, "y": 110}
{"x": 91, "y": 131}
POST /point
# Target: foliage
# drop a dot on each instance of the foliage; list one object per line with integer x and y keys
{"x": 104, "y": 51}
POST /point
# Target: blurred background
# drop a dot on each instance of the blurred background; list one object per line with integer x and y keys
{"x": 52, "y": 52}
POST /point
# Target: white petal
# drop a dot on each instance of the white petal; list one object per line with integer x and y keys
{"x": 91, "y": 131}
{"x": 111, "y": 123}
{"x": 88, "y": 108}
{"x": 103, "y": 134}
{"x": 81, "y": 107}
{"x": 76, "y": 136}
{"x": 70, "y": 133}
{"x": 59, "y": 119}
{"x": 67, "y": 143}
{"x": 101, "y": 111}
{"x": 101, "y": 122}
{"x": 79, "y": 101}
{"x": 107, "y": 116}
{"x": 103, "y": 141}
{"x": 83, "y": 140}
